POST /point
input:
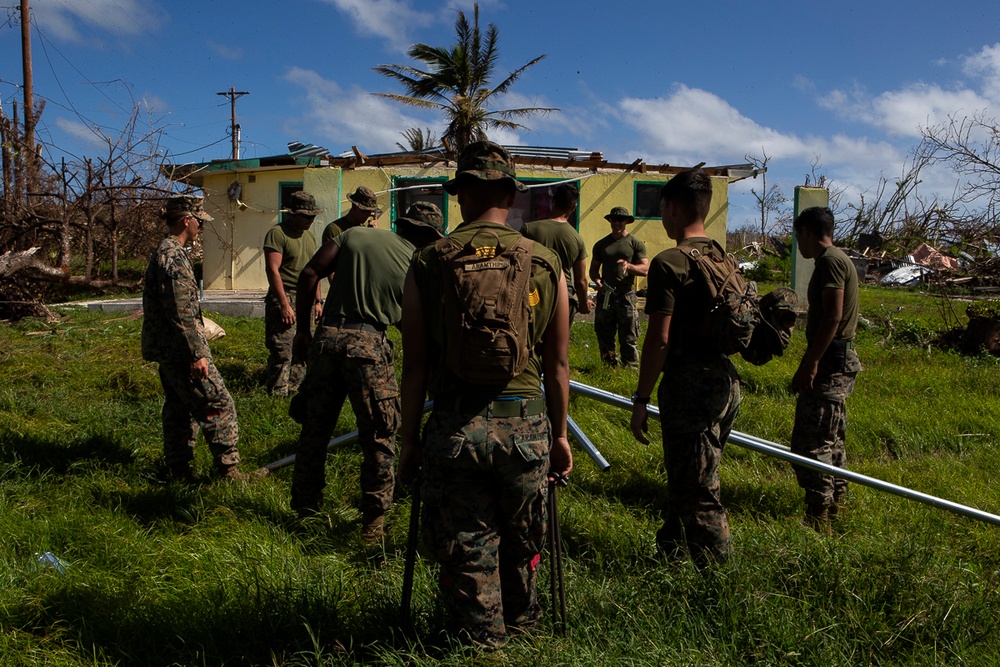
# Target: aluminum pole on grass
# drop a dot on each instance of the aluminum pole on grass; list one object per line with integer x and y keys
{"x": 781, "y": 452}
{"x": 572, "y": 427}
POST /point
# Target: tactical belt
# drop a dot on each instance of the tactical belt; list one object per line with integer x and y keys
{"x": 501, "y": 407}
{"x": 357, "y": 325}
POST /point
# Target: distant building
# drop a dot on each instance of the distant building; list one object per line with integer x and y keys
{"x": 246, "y": 196}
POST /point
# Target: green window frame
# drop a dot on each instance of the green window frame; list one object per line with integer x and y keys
{"x": 646, "y": 200}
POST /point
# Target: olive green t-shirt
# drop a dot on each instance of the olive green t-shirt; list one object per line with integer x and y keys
{"x": 335, "y": 229}
{"x": 368, "y": 276}
{"x": 542, "y": 287}
{"x": 833, "y": 269}
{"x": 609, "y": 250}
{"x": 674, "y": 287}
{"x": 560, "y": 238}
{"x": 296, "y": 248}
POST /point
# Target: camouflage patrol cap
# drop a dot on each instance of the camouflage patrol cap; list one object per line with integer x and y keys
{"x": 180, "y": 206}
{"x": 485, "y": 161}
{"x": 620, "y": 213}
{"x": 302, "y": 203}
{"x": 424, "y": 214}
{"x": 365, "y": 199}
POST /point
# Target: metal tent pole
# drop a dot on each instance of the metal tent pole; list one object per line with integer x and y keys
{"x": 780, "y": 451}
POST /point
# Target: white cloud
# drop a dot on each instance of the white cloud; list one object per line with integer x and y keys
{"x": 350, "y": 117}
{"x": 223, "y": 51}
{"x": 70, "y": 20}
{"x": 81, "y": 132}
{"x": 904, "y": 111}
{"x": 986, "y": 65}
{"x": 693, "y": 125}
{"x": 390, "y": 20}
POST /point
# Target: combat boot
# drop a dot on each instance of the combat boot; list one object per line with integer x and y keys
{"x": 818, "y": 518}
{"x": 372, "y": 529}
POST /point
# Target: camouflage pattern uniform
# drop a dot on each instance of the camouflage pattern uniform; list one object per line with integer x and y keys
{"x": 296, "y": 247}
{"x": 357, "y": 364}
{"x": 283, "y": 376}
{"x": 484, "y": 493}
{"x": 173, "y": 336}
{"x": 699, "y": 398}
{"x": 485, "y": 461}
{"x": 698, "y": 403}
{"x": 350, "y": 356}
{"x": 821, "y": 426}
{"x": 617, "y": 314}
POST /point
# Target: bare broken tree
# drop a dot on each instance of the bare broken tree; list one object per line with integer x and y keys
{"x": 105, "y": 208}
{"x": 970, "y": 145}
{"x": 770, "y": 199}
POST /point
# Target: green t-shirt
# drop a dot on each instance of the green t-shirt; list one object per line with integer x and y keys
{"x": 609, "y": 250}
{"x": 560, "y": 238}
{"x": 674, "y": 287}
{"x": 544, "y": 282}
{"x": 296, "y": 248}
{"x": 833, "y": 269}
{"x": 335, "y": 229}
{"x": 368, "y": 276}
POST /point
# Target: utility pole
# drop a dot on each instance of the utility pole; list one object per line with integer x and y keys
{"x": 29, "y": 97}
{"x": 233, "y": 95}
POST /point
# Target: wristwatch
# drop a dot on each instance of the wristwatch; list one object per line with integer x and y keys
{"x": 639, "y": 400}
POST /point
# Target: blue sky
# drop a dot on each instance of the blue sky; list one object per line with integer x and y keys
{"x": 847, "y": 85}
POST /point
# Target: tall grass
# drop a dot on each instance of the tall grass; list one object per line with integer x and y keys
{"x": 160, "y": 574}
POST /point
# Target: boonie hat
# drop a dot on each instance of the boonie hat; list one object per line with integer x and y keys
{"x": 302, "y": 203}
{"x": 424, "y": 214}
{"x": 620, "y": 213}
{"x": 365, "y": 199}
{"x": 183, "y": 205}
{"x": 486, "y": 161}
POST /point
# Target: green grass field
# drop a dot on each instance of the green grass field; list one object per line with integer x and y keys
{"x": 159, "y": 574}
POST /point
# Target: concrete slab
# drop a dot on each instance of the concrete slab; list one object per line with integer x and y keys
{"x": 232, "y": 303}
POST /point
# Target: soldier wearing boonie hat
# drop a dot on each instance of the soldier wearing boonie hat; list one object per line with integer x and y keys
{"x": 364, "y": 211}
{"x": 350, "y": 356}
{"x": 173, "y": 336}
{"x": 483, "y": 499}
{"x": 288, "y": 246}
{"x": 617, "y": 259}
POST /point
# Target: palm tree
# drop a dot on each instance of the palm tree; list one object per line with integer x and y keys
{"x": 417, "y": 140}
{"x": 458, "y": 83}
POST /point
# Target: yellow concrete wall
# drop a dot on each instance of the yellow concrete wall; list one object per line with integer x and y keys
{"x": 232, "y": 243}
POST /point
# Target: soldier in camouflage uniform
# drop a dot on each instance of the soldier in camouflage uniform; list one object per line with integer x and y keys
{"x": 829, "y": 367}
{"x": 351, "y": 356}
{"x": 173, "y": 336}
{"x": 699, "y": 396}
{"x": 487, "y": 450}
{"x": 288, "y": 246}
{"x": 617, "y": 259}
